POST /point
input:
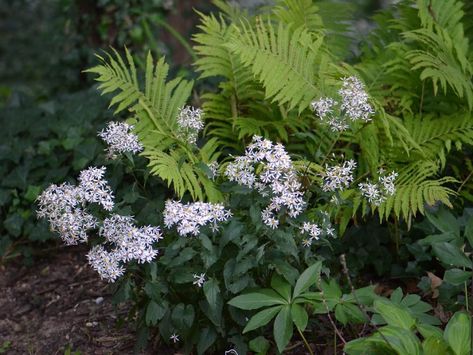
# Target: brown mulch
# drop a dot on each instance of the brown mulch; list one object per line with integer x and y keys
{"x": 60, "y": 303}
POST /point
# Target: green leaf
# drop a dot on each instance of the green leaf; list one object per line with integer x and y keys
{"x": 369, "y": 346}
{"x": 299, "y": 316}
{"x": 261, "y": 318}
{"x": 394, "y": 315}
{"x": 309, "y": 277}
{"x": 283, "y": 328}
{"x": 207, "y": 337}
{"x": 458, "y": 333}
{"x": 402, "y": 340}
{"x": 436, "y": 346}
{"x": 427, "y": 331}
{"x": 451, "y": 255}
{"x": 183, "y": 316}
{"x": 456, "y": 276}
{"x": 214, "y": 300}
{"x": 258, "y": 299}
{"x": 281, "y": 287}
{"x": 260, "y": 345}
{"x": 444, "y": 221}
{"x": 154, "y": 312}
{"x": 469, "y": 231}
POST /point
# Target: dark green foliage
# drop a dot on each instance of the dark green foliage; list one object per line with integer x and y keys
{"x": 41, "y": 145}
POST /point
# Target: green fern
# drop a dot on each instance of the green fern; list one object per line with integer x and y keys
{"x": 154, "y": 111}
{"x": 284, "y": 60}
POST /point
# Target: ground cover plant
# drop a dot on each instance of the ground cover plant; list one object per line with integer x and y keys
{"x": 235, "y": 237}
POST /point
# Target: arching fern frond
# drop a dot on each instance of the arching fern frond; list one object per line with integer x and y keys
{"x": 416, "y": 187}
{"x": 436, "y": 136}
{"x": 154, "y": 109}
{"x": 299, "y": 13}
{"x": 284, "y": 60}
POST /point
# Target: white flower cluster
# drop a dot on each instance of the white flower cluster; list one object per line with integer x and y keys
{"x": 93, "y": 188}
{"x": 315, "y": 231}
{"x": 106, "y": 263}
{"x": 277, "y": 178}
{"x": 119, "y": 139}
{"x": 323, "y": 107}
{"x": 377, "y": 193}
{"x": 129, "y": 243}
{"x": 355, "y": 100}
{"x": 354, "y": 106}
{"x": 190, "y": 123}
{"x": 190, "y": 217}
{"x": 64, "y": 205}
{"x": 338, "y": 177}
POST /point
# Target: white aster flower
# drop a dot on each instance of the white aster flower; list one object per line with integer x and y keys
{"x": 190, "y": 123}
{"x": 131, "y": 242}
{"x": 174, "y": 337}
{"x": 189, "y": 218}
{"x": 94, "y": 189}
{"x": 355, "y": 100}
{"x": 119, "y": 139}
{"x": 277, "y": 178}
{"x": 377, "y": 193}
{"x": 199, "y": 280}
{"x": 338, "y": 177}
{"x": 106, "y": 263}
{"x": 323, "y": 106}
{"x": 354, "y": 106}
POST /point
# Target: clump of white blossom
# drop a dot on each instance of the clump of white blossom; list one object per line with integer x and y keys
{"x": 65, "y": 207}
{"x": 93, "y": 188}
{"x": 355, "y": 100}
{"x": 338, "y": 177}
{"x": 354, "y": 106}
{"x": 190, "y": 217}
{"x": 119, "y": 139}
{"x": 199, "y": 280}
{"x": 126, "y": 243}
{"x": 106, "y": 263}
{"x": 314, "y": 232}
{"x": 378, "y": 192}
{"x": 275, "y": 177}
{"x": 190, "y": 123}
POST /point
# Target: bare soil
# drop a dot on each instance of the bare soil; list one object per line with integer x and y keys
{"x": 60, "y": 303}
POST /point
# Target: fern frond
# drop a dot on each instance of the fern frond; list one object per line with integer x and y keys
{"x": 416, "y": 187}
{"x": 299, "y": 13}
{"x": 284, "y": 61}
{"x": 436, "y": 136}
{"x": 154, "y": 110}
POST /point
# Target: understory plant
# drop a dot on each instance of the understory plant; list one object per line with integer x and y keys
{"x": 290, "y": 147}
